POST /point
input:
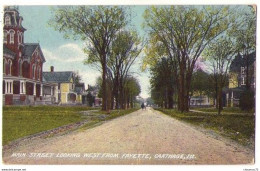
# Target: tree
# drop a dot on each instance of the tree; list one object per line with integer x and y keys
{"x": 162, "y": 83}
{"x": 220, "y": 54}
{"x": 185, "y": 31}
{"x": 131, "y": 90}
{"x": 125, "y": 49}
{"x": 201, "y": 83}
{"x": 247, "y": 100}
{"x": 97, "y": 26}
{"x": 245, "y": 37}
{"x": 77, "y": 78}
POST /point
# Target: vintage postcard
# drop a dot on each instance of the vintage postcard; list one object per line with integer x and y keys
{"x": 129, "y": 84}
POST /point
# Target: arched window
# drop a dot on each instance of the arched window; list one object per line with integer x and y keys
{"x": 39, "y": 73}
{"x": 18, "y": 37}
{"x": 5, "y": 36}
{"x": 21, "y": 37}
{"x": 7, "y": 20}
{"x": 20, "y": 67}
{"x": 33, "y": 71}
{"x": 9, "y": 67}
{"x": 4, "y": 66}
{"x": 12, "y": 36}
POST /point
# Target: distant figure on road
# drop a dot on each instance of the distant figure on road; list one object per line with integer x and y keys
{"x": 143, "y": 106}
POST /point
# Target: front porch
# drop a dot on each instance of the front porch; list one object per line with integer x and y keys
{"x": 21, "y": 91}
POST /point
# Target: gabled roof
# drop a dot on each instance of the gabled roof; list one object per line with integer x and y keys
{"x": 80, "y": 87}
{"x": 9, "y": 52}
{"x": 29, "y": 49}
{"x": 58, "y": 77}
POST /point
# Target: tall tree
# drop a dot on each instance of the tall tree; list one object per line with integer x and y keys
{"x": 162, "y": 83}
{"x": 245, "y": 37}
{"x": 220, "y": 54}
{"x": 185, "y": 31}
{"x": 97, "y": 26}
{"x": 125, "y": 49}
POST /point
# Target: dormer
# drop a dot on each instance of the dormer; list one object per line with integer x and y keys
{"x": 7, "y": 20}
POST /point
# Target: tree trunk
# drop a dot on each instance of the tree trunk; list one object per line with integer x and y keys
{"x": 170, "y": 97}
{"x": 220, "y": 106}
{"x": 104, "y": 85}
{"x": 131, "y": 102}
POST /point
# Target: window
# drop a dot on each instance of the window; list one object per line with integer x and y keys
{"x": 5, "y": 36}
{"x": 4, "y": 64}
{"x": 11, "y": 36}
{"x": 21, "y": 37}
{"x": 20, "y": 67}
{"x": 9, "y": 67}
{"x": 7, "y": 20}
{"x": 18, "y": 37}
{"x": 33, "y": 70}
{"x": 39, "y": 73}
{"x": 242, "y": 70}
{"x": 243, "y": 81}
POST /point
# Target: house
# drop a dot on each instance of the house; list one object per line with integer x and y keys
{"x": 67, "y": 91}
{"x": 81, "y": 93}
{"x": 238, "y": 77}
{"x": 22, "y": 64}
{"x": 92, "y": 95}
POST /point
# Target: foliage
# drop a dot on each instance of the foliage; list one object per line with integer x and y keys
{"x": 90, "y": 99}
{"x": 125, "y": 49}
{"x": 97, "y": 26}
{"x": 247, "y": 100}
{"x": 220, "y": 54}
{"x": 181, "y": 33}
{"x": 162, "y": 83}
{"x": 201, "y": 83}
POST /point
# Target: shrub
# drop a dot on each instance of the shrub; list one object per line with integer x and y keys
{"x": 247, "y": 100}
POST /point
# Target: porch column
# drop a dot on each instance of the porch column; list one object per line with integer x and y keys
{"x": 11, "y": 87}
{"x": 22, "y": 87}
{"x": 51, "y": 90}
{"x": 6, "y": 87}
{"x": 34, "y": 89}
{"x": 41, "y": 90}
{"x": 227, "y": 99}
{"x": 56, "y": 93}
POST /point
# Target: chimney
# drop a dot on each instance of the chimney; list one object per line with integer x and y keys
{"x": 52, "y": 68}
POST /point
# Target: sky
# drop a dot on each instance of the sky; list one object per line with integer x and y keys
{"x": 67, "y": 54}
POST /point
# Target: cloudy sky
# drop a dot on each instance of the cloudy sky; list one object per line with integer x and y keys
{"x": 67, "y": 54}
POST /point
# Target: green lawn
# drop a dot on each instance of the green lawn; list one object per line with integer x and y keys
{"x": 225, "y": 110}
{"x": 237, "y": 127}
{"x": 20, "y": 121}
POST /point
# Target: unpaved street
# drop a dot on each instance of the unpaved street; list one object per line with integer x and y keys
{"x": 142, "y": 132}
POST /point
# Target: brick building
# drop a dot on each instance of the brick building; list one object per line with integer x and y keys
{"x": 22, "y": 64}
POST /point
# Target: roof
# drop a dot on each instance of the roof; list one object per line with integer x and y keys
{"x": 80, "y": 87}
{"x": 8, "y": 51}
{"x": 57, "y": 77}
{"x": 240, "y": 61}
{"x": 10, "y": 10}
{"x": 29, "y": 49}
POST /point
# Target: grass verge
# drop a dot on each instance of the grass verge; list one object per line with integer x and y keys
{"x": 113, "y": 114}
{"x": 225, "y": 110}
{"x": 237, "y": 127}
{"x": 21, "y": 121}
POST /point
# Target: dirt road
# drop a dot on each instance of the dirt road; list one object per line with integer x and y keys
{"x": 143, "y": 137}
